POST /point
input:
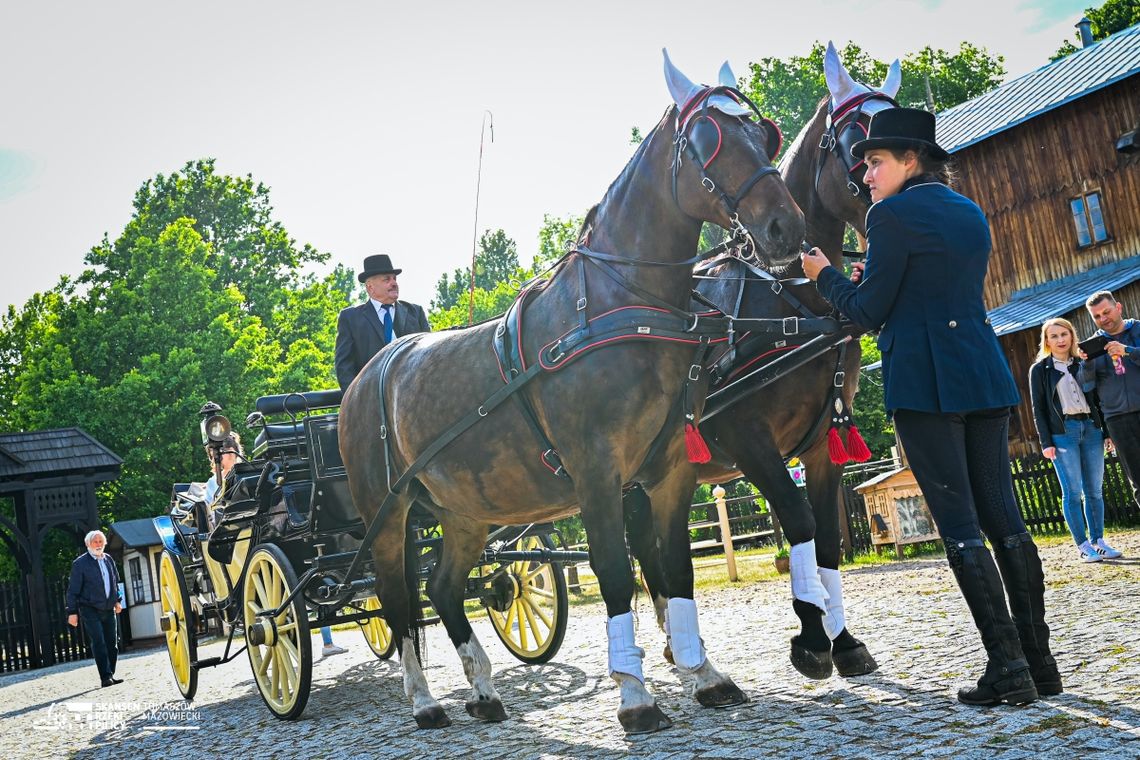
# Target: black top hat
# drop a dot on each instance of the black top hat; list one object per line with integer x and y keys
{"x": 901, "y": 128}
{"x": 378, "y": 264}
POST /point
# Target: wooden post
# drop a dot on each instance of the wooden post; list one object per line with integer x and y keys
{"x": 725, "y": 532}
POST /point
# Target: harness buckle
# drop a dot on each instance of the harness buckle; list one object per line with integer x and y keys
{"x": 501, "y": 329}
{"x": 777, "y": 287}
{"x": 694, "y": 373}
{"x": 708, "y": 183}
{"x": 556, "y": 353}
{"x": 827, "y": 139}
{"x": 383, "y": 432}
{"x": 853, "y": 187}
{"x": 581, "y": 303}
{"x": 840, "y": 378}
{"x": 551, "y": 459}
{"x": 791, "y": 326}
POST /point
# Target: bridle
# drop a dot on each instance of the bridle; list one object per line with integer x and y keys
{"x": 845, "y": 127}
{"x": 699, "y": 136}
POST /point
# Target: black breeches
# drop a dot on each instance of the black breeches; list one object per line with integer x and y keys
{"x": 961, "y": 463}
{"x": 1124, "y": 430}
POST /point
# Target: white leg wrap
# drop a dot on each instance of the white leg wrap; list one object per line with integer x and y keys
{"x": 835, "y": 620}
{"x": 625, "y": 654}
{"x": 806, "y": 585}
{"x": 415, "y": 685}
{"x": 477, "y": 668}
{"x": 685, "y": 634}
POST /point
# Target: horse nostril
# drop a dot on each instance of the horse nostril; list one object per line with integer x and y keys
{"x": 775, "y": 231}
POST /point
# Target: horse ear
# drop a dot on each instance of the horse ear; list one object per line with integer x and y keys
{"x": 839, "y": 82}
{"x": 726, "y": 77}
{"x": 679, "y": 85}
{"x": 893, "y": 80}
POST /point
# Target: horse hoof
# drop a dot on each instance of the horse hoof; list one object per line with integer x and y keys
{"x": 490, "y": 710}
{"x": 644, "y": 719}
{"x": 724, "y": 694}
{"x": 432, "y": 717}
{"x": 856, "y": 661}
{"x": 667, "y": 653}
{"x": 815, "y": 665}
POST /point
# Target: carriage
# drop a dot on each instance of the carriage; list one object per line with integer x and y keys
{"x": 267, "y": 560}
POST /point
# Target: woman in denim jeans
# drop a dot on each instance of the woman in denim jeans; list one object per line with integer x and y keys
{"x": 1069, "y": 426}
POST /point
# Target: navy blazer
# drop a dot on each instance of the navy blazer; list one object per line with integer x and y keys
{"x": 928, "y": 250}
{"x": 360, "y": 335}
{"x": 86, "y": 586}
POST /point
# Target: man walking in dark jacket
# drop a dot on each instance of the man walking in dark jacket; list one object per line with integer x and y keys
{"x": 1116, "y": 374}
{"x": 361, "y": 331}
{"x": 93, "y": 594}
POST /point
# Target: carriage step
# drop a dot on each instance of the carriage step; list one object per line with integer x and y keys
{"x": 209, "y": 662}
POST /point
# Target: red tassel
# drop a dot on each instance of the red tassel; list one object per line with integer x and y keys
{"x": 835, "y": 447}
{"x": 695, "y": 445}
{"x": 856, "y": 446}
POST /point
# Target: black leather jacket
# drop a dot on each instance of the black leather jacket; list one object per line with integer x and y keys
{"x": 1047, "y": 416}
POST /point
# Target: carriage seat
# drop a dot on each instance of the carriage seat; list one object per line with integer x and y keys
{"x": 294, "y": 403}
{"x": 279, "y": 435}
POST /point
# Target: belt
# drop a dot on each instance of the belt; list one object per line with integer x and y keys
{"x": 1081, "y": 416}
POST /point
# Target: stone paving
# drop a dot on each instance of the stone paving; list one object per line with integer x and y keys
{"x": 909, "y": 613}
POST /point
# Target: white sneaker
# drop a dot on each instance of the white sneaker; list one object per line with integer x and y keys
{"x": 1088, "y": 553}
{"x": 328, "y": 650}
{"x": 1106, "y": 551}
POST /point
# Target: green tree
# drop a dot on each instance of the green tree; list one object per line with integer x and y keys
{"x": 789, "y": 90}
{"x": 556, "y": 236}
{"x": 1110, "y": 18}
{"x": 869, "y": 412}
{"x": 496, "y": 261}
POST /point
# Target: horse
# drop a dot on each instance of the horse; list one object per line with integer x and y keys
{"x": 765, "y": 429}
{"x": 602, "y": 360}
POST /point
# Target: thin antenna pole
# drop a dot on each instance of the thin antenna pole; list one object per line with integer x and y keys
{"x": 487, "y": 118}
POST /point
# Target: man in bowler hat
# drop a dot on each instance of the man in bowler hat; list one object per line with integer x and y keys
{"x": 361, "y": 331}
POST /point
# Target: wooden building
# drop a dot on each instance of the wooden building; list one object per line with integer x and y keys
{"x": 1053, "y": 159}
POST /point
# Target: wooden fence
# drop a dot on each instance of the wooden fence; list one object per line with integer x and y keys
{"x": 19, "y": 649}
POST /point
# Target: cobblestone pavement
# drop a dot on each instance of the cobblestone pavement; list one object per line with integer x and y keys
{"x": 910, "y": 614}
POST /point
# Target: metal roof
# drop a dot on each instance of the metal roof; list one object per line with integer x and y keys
{"x": 53, "y": 452}
{"x": 1114, "y": 58}
{"x": 1030, "y": 307}
{"x": 134, "y": 533}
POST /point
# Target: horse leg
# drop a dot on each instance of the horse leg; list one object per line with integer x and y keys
{"x": 463, "y": 541}
{"x": 671, "y": 523}
{"x": 643, "y": 543}
{"x": 395, "y": 559}
{"x": 811, "y": 648}
{"x": 638, "y": 713}
{"x": 850, "y": 655}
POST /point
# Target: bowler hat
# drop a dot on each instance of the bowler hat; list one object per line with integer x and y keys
{"x": 901, "y": 128}
{"x": 378, "y": 264}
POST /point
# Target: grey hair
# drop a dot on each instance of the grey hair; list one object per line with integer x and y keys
{"x": 87, "y": 539}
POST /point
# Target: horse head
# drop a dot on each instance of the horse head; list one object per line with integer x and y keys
{"x": 841, "y": 121}
{"x": 722, "y": 167}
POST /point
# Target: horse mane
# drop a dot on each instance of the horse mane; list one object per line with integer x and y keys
{"x": 798, "y": 144}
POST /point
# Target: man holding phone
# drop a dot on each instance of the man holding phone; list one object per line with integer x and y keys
{"x": 1112, "y": 364}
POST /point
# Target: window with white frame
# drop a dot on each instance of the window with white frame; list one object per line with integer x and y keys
{"x": 138, "y": 583}
{"x": 1088, "y": 218}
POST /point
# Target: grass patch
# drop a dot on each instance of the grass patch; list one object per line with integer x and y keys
{"x": 1061, "y": 725}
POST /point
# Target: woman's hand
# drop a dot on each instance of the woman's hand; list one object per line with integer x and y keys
{"x": 857, "y": 271}
{"x": 1108, "y": 446}
{"x": 814, "y": 262}
{"x": 1049, "y": 452}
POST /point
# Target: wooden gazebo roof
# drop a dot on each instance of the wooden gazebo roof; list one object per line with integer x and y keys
{"x": 26, "y": 457}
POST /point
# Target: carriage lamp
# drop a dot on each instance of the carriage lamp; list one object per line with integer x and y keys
{"x": 215, "y": 427}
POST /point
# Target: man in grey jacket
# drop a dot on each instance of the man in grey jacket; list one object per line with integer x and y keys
{"x": 1116, "y": 375}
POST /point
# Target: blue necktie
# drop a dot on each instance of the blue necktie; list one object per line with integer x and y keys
{"x": 387, "y": 323}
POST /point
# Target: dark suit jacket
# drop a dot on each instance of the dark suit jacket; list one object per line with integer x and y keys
{"x": 86, "y": 586}
{"x": 928, "y": 249}
{"x": 360, "y": 335}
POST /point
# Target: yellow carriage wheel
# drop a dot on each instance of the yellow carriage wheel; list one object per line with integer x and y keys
{"x": 376, "y": 631}
{"x": 181, "y": 643}
{"x": 529, "y": 607}
{"x": 280, "y": 650}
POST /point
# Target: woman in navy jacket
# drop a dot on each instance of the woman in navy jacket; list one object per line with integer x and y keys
{"x": 949, "y": 388}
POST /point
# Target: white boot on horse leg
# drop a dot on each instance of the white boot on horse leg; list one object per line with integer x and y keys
{"x": 661, "y": 607}
{"x": 850, "y": 655}
{"x": 638, "y": 713}
{"x": 710, "y": 687}
{"x": 427, "y": 712}
{"x": 811, "y": 649}
{"x": 485, "y": 703}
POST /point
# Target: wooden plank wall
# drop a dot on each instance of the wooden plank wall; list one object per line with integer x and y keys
{"x": 1024, "y": 179}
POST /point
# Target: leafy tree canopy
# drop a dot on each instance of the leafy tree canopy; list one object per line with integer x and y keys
{"x": 1110, "y": 18}
{"x": 789, "y": 90}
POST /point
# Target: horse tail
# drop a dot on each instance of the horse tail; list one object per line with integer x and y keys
{"x": 412, "y": 581}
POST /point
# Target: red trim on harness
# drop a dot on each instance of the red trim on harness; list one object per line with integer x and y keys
{"x": 852, "y": 125}
{"x": 779, "y": 138}
{"x": 588, "y": 346}
{"x": 852, "y": 102}
{"x": 755, "y": 359}
{"x": 719, "y": 141}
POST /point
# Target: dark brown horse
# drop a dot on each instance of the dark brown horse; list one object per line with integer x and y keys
{"x": 790, "y": 417}
{"x": 602, "y": 410}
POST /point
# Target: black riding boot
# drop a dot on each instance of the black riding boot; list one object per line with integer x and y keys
{"x": 1007, "y": 678}
{"x": 1025, "y": 586}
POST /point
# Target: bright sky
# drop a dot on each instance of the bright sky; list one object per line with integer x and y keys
{"x": 364, "y": 118}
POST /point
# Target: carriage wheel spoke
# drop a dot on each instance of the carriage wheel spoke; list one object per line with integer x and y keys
{"x": 532, "y": 607}
{"x": 545, "y": 593}
{"x": 534, "y": 629}
{"x": 519, "y": 610}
